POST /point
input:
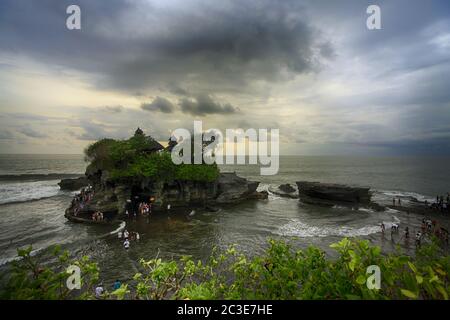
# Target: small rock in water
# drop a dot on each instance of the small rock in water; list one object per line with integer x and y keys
{"x": 287, "y": 188}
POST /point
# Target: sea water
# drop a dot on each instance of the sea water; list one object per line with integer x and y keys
{"x": 32, "y": 210}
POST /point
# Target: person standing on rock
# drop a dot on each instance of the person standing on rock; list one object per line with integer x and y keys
{"x": 126, "y": 244}
{"x": 418, "y": 238}
{"x": 99, "y": 291}
{"x": 393, "y": 202}
{"x": 116, "y": 285}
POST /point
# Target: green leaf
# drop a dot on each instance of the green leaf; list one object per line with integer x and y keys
{"x": 409, "y": 294}
{"x": 443, "y": 292}
{"x": 413, "y": 267}
{"x": 361, "y": 279}
{"x": 419, "y": 279}
{"x": 435, "y": 278}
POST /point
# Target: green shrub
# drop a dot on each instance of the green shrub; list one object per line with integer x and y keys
{"x": 131, "y": 158}
{"x": 279, "y": 273}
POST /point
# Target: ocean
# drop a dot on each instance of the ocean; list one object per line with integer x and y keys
{"x": 32, "y": 210}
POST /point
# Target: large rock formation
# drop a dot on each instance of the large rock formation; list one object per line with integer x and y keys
{"x": 124, "y": 173}
{"x": 73, "y": 184}
{"x": 232, "y": 188}
{"x": 112, "y": 199}
{"x": 330, "y": 194}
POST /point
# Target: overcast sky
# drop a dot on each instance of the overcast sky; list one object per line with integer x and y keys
{"x": 310, "y": 68}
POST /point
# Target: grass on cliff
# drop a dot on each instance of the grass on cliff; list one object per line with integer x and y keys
{"x": 280, "y": 272}
{"x": 131, "y": 158}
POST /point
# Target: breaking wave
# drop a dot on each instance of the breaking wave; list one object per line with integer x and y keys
{"x": 414, "y": 196}
{"x": 296, "y": 228}
{"x": 28, "y": 191}
{"x": 38, "y": 177}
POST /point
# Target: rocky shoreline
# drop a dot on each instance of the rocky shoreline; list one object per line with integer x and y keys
{"x": 125, "y": 176}
{"x": 331, "y": 194}
{"x": 112, "y": 199}
{"x": 228, "y": 189}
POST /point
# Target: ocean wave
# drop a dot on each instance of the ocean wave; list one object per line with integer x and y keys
{"x": 28, "y": 191}
{"x": 389, "y": 194}
{"x": 368, "y": 210}
{"x": 296, "y": 228}
{"x": 38, "y": 177}
{"x": 6, "y": 260}
{"x": 390, "y": 210}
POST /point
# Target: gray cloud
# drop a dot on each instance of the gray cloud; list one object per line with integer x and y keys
{"x": 204, "y": 104}
{"x": 114, "y": 109}
{"x": 227, "y": 47}
{"x": 95, "y": 131}
{"x": 177, "y": 90}
{"x": 159, "y": 104}
{"x": 385, "y": 88}
{"x": 29, "y": 132}
{"x": 6, "y": 135}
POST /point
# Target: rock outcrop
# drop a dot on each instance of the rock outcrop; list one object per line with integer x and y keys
{"x": 73, "y": 184}
{"x": 284, "y": 190}
{"x": 124, "y": 173}
{"x": 113, "y": 199}
{"x": 231, "y": 189}
{"x": 330, "y": 194}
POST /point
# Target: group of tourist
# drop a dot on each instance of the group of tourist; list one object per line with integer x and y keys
{"x": 144, "y": 208}
{"x": 81, "y": 199}
{"x": 442, "y": 204}
{"x": 97, "y": 216}
{"x": 433, "y": 227}
{"x": 127, "y": 237}
{"x": 428, "y": 227}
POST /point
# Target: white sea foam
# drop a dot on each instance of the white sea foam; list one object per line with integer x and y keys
{"x": 405, "y": 195}
{"x": 390, "y": 210}
{"x": 4, "y": 261}
{"x": 300, "y": 229}
{"x": 120, "y": 228}
{"x": 26, "y": 191}
{"x": 366, "y": 210}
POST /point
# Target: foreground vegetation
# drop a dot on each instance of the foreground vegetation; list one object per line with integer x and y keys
{"x": 279, "y": 273}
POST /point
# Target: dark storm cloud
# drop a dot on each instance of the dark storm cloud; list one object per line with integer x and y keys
{"x": 223, "y": 47}
{"x": 204, "y": 104}
{"x": 159, "y": 104}
{"x": 177, "y": 90}
{"x": 196, "y": 49}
